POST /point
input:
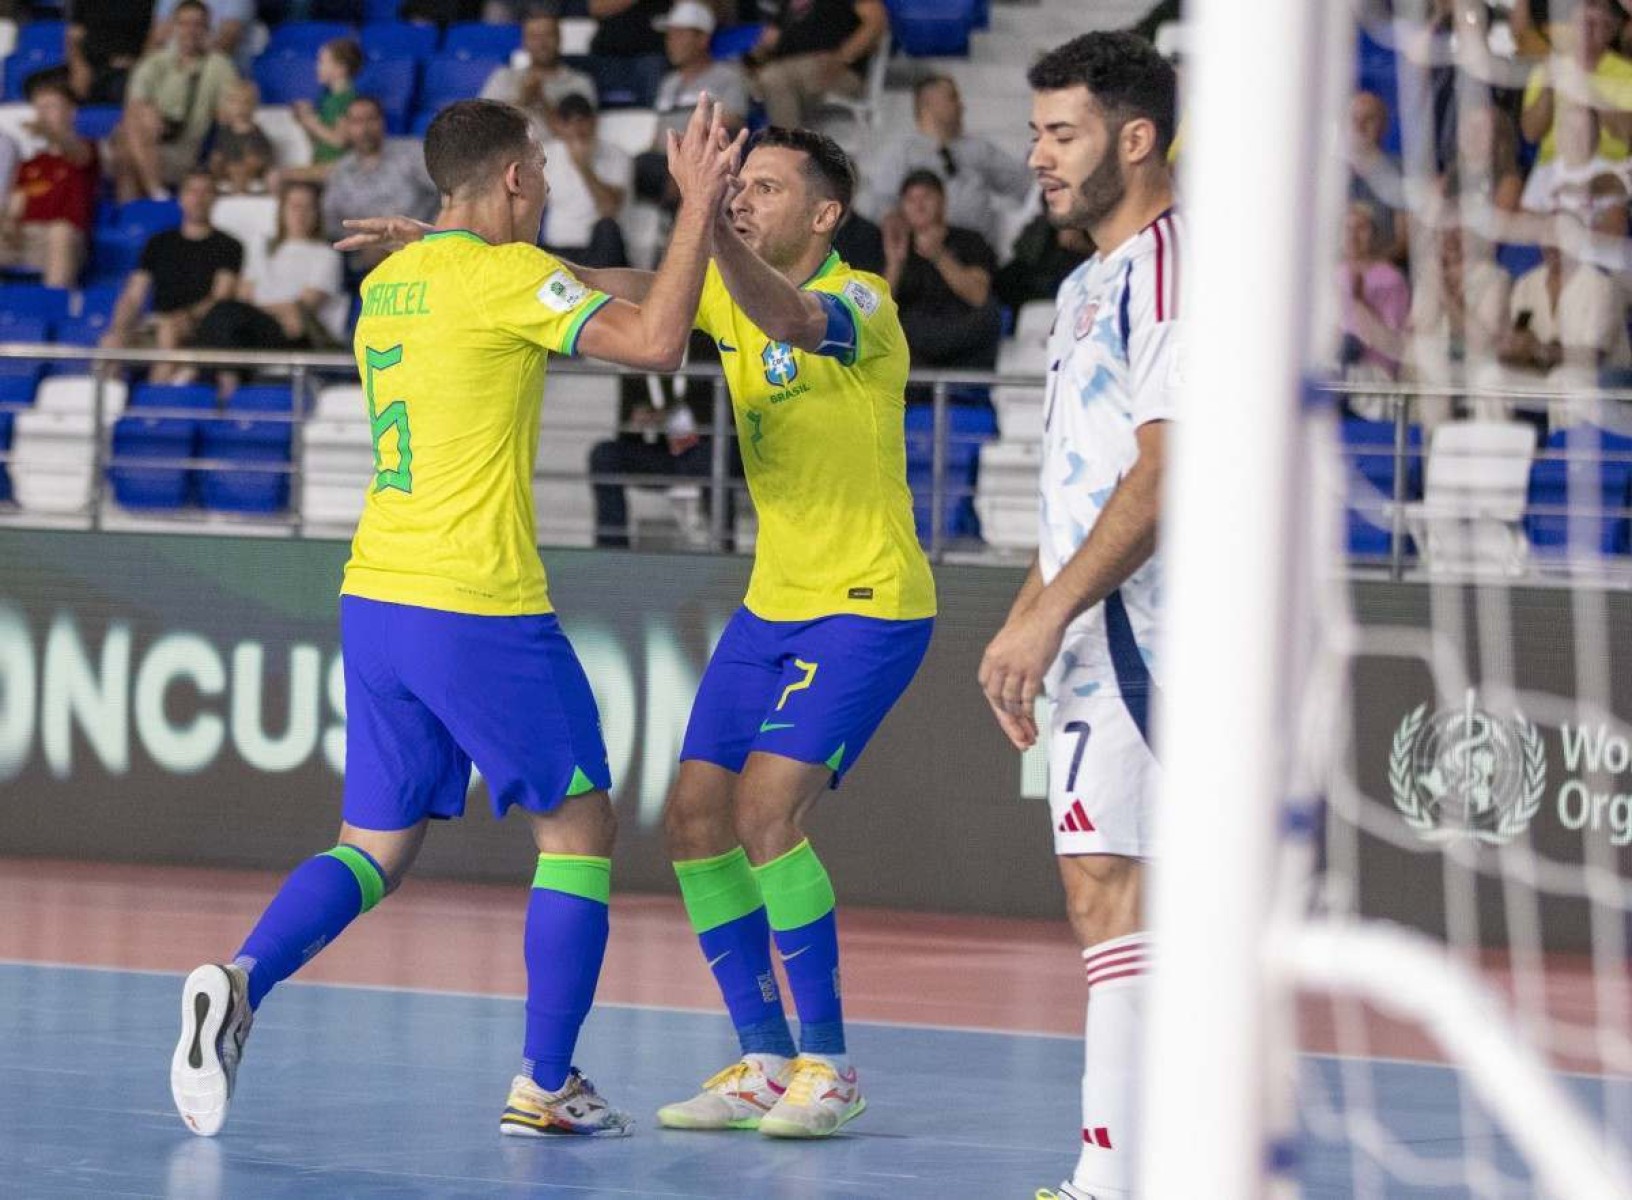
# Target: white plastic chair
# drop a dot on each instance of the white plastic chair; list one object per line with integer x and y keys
{"x": 291, "y": 147}
{"x": 576, "y": 34}
{"x": 1472, "y": 512}
{"x": 631, "y": 130}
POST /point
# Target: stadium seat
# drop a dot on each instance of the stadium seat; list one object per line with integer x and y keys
{"x": 449, "y": 78}
{"x": 1368, "y": 447}
{"x": 262, "y": 398}
{"x": 17, "y": 122}
{"x": 397, "y": 40}
{"x": 291, "y": 147}
{"x": 576, "y": 34}
{"x": 39, "y": 46}
{"x": 253, "y": 220}
{"x": 77, "y": 394}
{"x": 379, "y": 11}
{"x": 631, "y": 130}
{"x": 97, "y": 301}
{"x": 336, "y": 460}
{"x": 304, "y": 38}
{"x": 968, "y": 427}
{"x": 117, "y": 245}
{"x": 932, "y": 28}
{"x": 53, "y": 460}
{"x": 284, "y": 78}
{"x": 140, "y": 433}
{"x": 95, "y": 122}
{"x": 1518, "y": 260}
{"x": 624, "y": 82}
{"x": 1598, "y": 463}
{"x": 733, "y": 41}
{"x": 23, "y": 300}
{"x": 478, "y": 39}
{"x": 1471, "y": 516}
{"x": 241, "y": 443}
{"x": 391, "y": 82}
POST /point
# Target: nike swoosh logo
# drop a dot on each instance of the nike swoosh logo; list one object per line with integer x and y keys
{"x": 795, "y": 954}
{"x": 713, "y": 962}
{"x": 768, "y": 726}
{"x": 728, "y": 348}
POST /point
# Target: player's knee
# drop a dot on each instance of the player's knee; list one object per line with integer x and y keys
{"x": 693, "y": 827}
{"x": 765, "y": 827}
{"x": 1102, "y": 897}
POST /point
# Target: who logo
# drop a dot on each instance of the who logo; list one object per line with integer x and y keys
{"x": 1467, "y": 772}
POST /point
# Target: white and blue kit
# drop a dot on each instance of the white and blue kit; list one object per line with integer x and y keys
{"x": 1113, "y": 366}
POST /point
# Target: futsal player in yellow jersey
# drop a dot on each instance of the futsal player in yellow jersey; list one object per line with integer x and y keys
{"x": 835, "y": 624}
{"x": 452, "y": 652}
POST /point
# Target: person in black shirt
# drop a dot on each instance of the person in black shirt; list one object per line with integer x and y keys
{"x": 941, "y": 277}
{"x": 101, "y": 45}
{"x": 626, "y": 34}
{"x": 185, "y": 271}
{"x": 1043, "y": 256}
{"x": 812, "y": 48}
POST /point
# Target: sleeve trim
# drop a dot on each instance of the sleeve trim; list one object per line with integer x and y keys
{"x": 570, "y": 344}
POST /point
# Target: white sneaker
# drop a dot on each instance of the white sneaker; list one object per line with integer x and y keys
{"x": 1066, "y": 1191}
{"x": 735, "y": 1098}
{"x": 820, "y": 1101}
{"x": 576, "y": 1108}
{"x": 215, "y": 1021}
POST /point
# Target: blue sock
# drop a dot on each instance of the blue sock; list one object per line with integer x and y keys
{"x": 565, "y": 942}
{"x": 319, "y": 899}
{"x": 799, "y": 902}
{"x": 728, "y": 915}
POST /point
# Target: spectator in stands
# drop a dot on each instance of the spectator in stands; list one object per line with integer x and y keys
{"x": 1486, "y": 167}
{"x": 1565, "y": 313}
{"x": 1578, "y": 180}
{"x": 230, "y": 20}
{"x": 338, "y": 63}
{"x": 1043, "y": 256}
{"x": 860, "y": 243}
{"x": 1458, "y": 315}
{"x": 589, "y": 181}
{"x": 104, "y": 42}
{"x": 1375, "y": 299}
{"x": 48, "y": 218}
{"x": 375, "y": 176}
{"x": 170, "y": 105}
{"x": 1586, "y": 70}
{"x": 545, "y": 81}
{"x": 1375, "y": 179}
{"x": 976, "y": 173}
{"x": 185, "y": 271}
{"x": 239, "y": 153}
{"x": 686, "y": 32}
{"x": 941, "y": 277}
{"x": 813, "y": 48}
{"x": 628, "y": 32}
{"x": 292, "y": 298}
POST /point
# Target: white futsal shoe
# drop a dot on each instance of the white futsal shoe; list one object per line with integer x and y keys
{"x": 820, "y": 1101}
{"x": 215, "y": 1021}
{"x": 735, "y": 1098}
{"x": 574, "y": 1109}
{"x": 1066, "y": 1191}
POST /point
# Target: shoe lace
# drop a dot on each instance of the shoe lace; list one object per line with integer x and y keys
{"x": 808, "y": 1076}
{"x": 729, "y": 1079}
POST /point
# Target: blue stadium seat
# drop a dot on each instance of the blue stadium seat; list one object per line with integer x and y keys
{"x": 304, "y": 38}
{"x": 48, "y": 304}
{"x": 1377, "y": 70}
{"x": 969, "y": 426}
{"x": 95, "y": 122}
{"x": 172, "y": 436}
{"x": 285, "y": 78}
{"x": 391, "y": 82}
{"x": 39, "y": 46}
{"x": 624, "y": 82}
{"x": 1604, "y": 477}
{"x": 117, "y": 245}
{"x": 81, "y": 331}
{"x": 380, "y": 11}
{"x": 448, "y": 79}
{"x": 242, "y": 442}
{"x": 195, "y": 396}
{"x": 99, "y": 300}
{"x": 477, "y": 39}
{"x": 733, "y": 41}
{"x": 398, "y": 39}
{"x": 262, "y": 398}
{"x": 1517, "y": 260}
{"x": 932, "y": 28}
{"x": 1368, "y": 446}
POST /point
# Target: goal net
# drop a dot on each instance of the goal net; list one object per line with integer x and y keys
{"x": 1394, "y": 899}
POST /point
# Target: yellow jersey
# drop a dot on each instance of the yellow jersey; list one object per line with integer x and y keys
{"x": 824, "y": 449}
{"x": 452, "y": 347}
{"x": 1611, "y": 85}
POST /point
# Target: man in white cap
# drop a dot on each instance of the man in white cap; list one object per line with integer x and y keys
{"x": 686, "y": 33}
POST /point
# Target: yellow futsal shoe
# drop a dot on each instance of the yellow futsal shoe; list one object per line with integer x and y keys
{"x": 576, "y": 1109}
{"x": 735, "y": 1098}
{"x": 820, "y": 1101}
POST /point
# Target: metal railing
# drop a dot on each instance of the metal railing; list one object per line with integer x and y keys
{"x": 305, "y": 372}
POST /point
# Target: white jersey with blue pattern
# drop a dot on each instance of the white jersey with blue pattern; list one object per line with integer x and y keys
{"x": 1112, "y": 368}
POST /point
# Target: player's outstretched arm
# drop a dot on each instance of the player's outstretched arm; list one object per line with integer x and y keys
{"x": 784, "y": 312}
{"x": 652, "y": 335}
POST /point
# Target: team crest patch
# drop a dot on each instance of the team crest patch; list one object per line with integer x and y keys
{"x": 562, "y": 292}
{"x": 780, "y": 367}
{"x": 1085, "y": 319}
{"x": 862, "y": 296}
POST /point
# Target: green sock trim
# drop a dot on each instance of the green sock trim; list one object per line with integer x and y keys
{"x": 796, "y": 888}
{"x": 368, "y": 878}
{"x": 718, "y": 890}
{"x": 586, "y": 875}
{"x": 580, "y": 784}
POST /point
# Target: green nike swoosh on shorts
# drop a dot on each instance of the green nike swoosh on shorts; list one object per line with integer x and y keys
{"x": 768, "y": 726}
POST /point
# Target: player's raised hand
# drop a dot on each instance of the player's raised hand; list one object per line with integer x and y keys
{"x": 704, "y": 157}
{"x": 393, "y": 233}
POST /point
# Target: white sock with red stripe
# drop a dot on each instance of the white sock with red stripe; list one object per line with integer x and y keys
{"x": 1110, "y": 1081}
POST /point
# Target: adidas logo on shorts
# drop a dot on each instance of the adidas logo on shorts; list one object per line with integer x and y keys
{"x": 1076, "y": 820}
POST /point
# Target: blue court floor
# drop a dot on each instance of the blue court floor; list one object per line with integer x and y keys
{"x": 364, "y": 1092}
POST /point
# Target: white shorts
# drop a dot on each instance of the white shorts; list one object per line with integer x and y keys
{"x": 1102, "y": 777}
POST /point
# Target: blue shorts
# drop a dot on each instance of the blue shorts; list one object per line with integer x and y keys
{"x": 428, "y": 692}
{"x": 813, "y": 691}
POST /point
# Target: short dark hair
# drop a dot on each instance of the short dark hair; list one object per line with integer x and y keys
{"x": 51, "y": 84}
{"x": 923, "y": 85}
{"x": 347, "y": 53}
{"x": 922, "y": 177}
{"x": 827, "y": 166}
{"x": 575, "y": 104}
{"x": 186, "y": 4}
{"x": 1122, "y": 72}
{"x": 371, "y": 101}
{"x": 469, "y": 138}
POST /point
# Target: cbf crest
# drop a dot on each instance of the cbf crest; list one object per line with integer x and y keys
{"x": 1467, "y": 772}
{"x": 780, "y": 367}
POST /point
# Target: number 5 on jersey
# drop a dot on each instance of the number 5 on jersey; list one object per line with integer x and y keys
{"x": 394, "y": 416}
